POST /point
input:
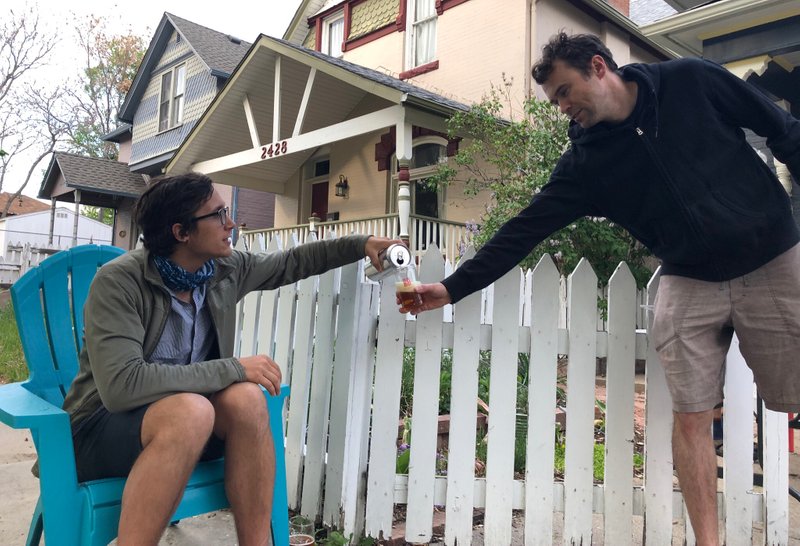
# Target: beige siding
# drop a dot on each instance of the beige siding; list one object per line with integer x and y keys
{"x": 476, "y": 44}
{"x": 384, "y": 54}
{"x": 256, "y": 208}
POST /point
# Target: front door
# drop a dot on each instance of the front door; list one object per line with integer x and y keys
{"x": 319, "y": 200}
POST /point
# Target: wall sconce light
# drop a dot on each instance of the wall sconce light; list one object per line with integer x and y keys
{"x": 342, "y": 188}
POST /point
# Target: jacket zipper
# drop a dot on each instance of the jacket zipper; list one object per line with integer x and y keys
{"x": 684, "y": 209}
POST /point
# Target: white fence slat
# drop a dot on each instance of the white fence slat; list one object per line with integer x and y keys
{"x": 385, "y": 411}
{"x": 502, "y": 409}
{"x": 776, "y": 478}
{"x": 268, "y": 313}
{"x": 284, "y": 333}
{"x": 618, "y": 498}
{"x": 542, "y": 380}
{"x": 319, "y": 406}
{"x": 342, "y": 365}
{"x": 579, "y": 456}
{"x": 300, "y": 383}
{"x": 657, "y": 442}
{"x": 358, "y": 412}
{"x": 425, "y": 409}
{"x": 463, "y": 418}
{"x": 738, "y": 448}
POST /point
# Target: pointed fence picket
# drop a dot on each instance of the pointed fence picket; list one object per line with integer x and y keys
{"x": 340, "y": 341}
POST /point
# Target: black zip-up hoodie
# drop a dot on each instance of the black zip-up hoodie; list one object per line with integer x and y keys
{"x": 678, "y": 174}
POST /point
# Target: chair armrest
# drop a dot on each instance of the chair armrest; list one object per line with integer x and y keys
{"x": 20, "y": 408}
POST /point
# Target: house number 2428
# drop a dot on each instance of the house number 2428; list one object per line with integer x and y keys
{"x": 273, "y": 150}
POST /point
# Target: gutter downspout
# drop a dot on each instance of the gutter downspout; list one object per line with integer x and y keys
{"x": 530, "y": 13}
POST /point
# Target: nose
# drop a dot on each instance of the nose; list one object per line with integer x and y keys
{"x": 563, "y": 106}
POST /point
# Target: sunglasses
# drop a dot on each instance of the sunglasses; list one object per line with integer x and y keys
{"x": 221, "y": 214}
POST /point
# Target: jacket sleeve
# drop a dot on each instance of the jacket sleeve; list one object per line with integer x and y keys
{"x": 115, "y": 331}
{"x": 269, "y": 270}
{"x": 745, "y": 106}
{"x": 560, "y": 202}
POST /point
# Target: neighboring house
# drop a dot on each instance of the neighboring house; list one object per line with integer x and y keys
{"x": 22, "y": 204}
{"x": 33, "y": 229}
{"x": 184, "y": 67}
{"x": 103, "y": 183}
{"x": 758, "y": 40}
{"x": 347, "y": 114}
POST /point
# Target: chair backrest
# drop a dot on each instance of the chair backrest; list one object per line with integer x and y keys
{"x": 48, "y": 306}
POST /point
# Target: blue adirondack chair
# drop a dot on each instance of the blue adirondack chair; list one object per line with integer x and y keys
{"x": 48, "y": 304}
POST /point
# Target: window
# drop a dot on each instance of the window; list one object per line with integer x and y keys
{"x": 333, "y": 35}
{"x": 420, "y": 32}
{"x": 425, "y": 200}
{"x": 171, "y": 101}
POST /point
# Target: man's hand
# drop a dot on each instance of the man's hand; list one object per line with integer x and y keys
{"x": 375, "y": 245}
{"x": 263, "y": 370}
{"x": 433, "y": 296}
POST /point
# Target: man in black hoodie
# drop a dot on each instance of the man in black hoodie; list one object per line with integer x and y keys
{"x": 659, "y": 149}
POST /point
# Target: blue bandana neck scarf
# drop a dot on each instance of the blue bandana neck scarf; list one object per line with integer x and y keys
{"x": 178, "y": 279}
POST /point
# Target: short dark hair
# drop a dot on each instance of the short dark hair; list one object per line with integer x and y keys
{"x": 576, "y": 50}
{"x": 167, "y": 201}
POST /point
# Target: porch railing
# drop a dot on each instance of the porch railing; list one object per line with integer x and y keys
{"x": 452, "y": 238}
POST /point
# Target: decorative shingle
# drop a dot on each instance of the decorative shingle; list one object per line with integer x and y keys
{"x": 372, "y": 15}
{"x": 310, "y": 41}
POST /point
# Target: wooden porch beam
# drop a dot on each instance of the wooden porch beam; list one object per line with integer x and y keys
{"x": 301, "y": 115}
{"x": 251, "y": 121}
{"x": 276, "y": 108}
{"x": 367, "y": 123}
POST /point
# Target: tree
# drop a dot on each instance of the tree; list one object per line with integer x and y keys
{"x": 512, "y": 159}
{"x": 26, "y": 126}
{"x": 99, "y": 213}
{"x": 109, "y": 68}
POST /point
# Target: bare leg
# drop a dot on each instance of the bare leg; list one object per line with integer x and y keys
{"x": 693, "y": 449}
{"x": 174, "y": 432}
{"x": 243, "y": 422}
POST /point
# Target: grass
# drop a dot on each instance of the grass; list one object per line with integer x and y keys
{"x": 12, "y": 361}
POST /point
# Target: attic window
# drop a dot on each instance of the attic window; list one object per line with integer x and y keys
{"x": 178, "y": 37}
{"x": 333, "y": 34}
{"x": 173, "y": 90}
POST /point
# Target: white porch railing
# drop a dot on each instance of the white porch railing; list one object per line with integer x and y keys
{"x": 452, "y": 238}
{"x": 345, "y": 367}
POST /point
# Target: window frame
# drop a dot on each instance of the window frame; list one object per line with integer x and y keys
{"x": 418, "y": 173}
{"x": 412, "y": 35}
{"x": 175, "y": 101}
{"x": 327, "y": 23}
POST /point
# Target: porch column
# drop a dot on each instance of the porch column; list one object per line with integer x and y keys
{"x": 77, "y": 215}
{"x": 403, "y": 153}
{"x": 52, "y": 221}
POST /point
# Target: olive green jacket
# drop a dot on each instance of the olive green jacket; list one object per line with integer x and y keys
{"x": 127, "y": 309}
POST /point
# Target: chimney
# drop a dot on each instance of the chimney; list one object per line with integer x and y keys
{"x": 622, "y": 6}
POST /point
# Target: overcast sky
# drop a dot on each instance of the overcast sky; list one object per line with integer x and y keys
{"x": 245, "y": 19}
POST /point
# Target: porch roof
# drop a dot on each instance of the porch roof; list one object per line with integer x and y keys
{"x": 282, "y": 92}
{"x": 104, "y": 181}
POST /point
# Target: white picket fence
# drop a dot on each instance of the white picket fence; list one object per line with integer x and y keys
{"x": 344, "y": 367}
{"x": 19, "y": 259}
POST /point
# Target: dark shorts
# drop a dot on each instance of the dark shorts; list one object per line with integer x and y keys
{"x": 695, "y": 321}
{"x": 107, "y": 444}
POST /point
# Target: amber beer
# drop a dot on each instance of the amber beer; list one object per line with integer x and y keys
{"x": 406, "y": 294}
{"x": 405, "y": 281}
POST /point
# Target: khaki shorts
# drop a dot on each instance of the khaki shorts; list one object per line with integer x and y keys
{"x": 695, "y": 320}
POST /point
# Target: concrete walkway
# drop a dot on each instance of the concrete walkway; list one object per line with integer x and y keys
{"x": 19, "y": 491}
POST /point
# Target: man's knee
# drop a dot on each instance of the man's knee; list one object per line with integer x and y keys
{"x": 693, "y": 423}
{"x": 184, "y": 418}
{"x": 241, "y": 403}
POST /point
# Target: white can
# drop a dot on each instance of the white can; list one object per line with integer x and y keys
{"x": 391, "y": 258}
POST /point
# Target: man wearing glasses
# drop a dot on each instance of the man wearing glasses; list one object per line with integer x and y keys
{"x": 158, "y": 387}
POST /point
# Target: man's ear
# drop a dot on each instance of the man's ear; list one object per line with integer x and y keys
{"x": 180, "y": 233}
{"x": 599, "y": 67}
